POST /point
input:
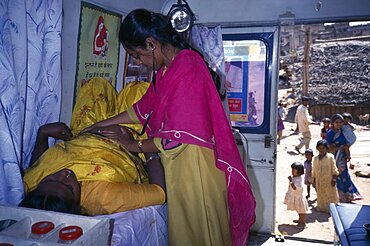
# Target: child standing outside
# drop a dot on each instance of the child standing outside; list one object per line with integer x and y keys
{"x": 326, "y": 127}
{"x": 324, "y": 173}
{"x": 294, "y": 197}
{"x": 308, "y": 170}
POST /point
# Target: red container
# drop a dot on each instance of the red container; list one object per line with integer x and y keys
{"x": 69, "y": 233}
{"x": 41, "y": 228}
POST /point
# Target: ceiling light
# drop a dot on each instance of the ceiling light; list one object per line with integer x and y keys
{"x": 182, "y": 17}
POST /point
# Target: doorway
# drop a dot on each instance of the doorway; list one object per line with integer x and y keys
{"x": 335, "y": 54}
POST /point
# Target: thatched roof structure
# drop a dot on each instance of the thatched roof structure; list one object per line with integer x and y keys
{"x": 339, "y": 73}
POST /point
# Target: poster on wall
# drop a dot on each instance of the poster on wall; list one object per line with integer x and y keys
{"x": 98, "y": 45}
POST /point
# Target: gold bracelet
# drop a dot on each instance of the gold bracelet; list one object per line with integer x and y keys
{"x": 139, "y": 145}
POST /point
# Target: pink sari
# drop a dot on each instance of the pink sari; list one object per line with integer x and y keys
{"x": 185, "y": 107}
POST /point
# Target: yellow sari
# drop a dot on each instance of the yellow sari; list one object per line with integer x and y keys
{"x": 92, "y": 157}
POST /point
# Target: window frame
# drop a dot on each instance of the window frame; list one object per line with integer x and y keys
{"x": 267, "y": 38}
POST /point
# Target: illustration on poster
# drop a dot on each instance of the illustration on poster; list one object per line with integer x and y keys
{"x": 101, "y": 38}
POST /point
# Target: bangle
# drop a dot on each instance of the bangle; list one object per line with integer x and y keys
{"x": 152, "y": 158}
{"x": 139, "y": 145}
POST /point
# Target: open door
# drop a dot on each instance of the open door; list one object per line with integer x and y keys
{"x": 251, "y": 66}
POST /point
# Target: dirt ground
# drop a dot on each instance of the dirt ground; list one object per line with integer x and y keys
{"x": 319, "y": 225}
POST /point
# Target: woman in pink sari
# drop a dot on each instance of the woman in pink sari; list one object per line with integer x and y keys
{"x": 209, "y": 197}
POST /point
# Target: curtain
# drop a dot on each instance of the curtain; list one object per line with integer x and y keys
{"x": 30, "y": 84}
{"x": 209, "y": 42}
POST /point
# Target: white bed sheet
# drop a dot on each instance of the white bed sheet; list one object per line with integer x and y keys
{"x": 144, "y": 226}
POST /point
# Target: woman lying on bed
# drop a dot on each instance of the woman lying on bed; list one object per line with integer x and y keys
{"x": 91, "y": 173}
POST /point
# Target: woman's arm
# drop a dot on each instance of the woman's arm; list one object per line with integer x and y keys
{"x": 121, "y": 118}
{"x": 155, "y": 170}
{"x": 124, "y": 137}
{"x": 57, "y": 130}
{"x": 144, "y": 146}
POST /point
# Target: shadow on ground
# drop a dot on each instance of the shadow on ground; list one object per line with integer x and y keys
{"x": 289, "y": 229}
{"x": 313, "y": 217}
{"x": 290, "y": 152}
{"x": 316, "y": 216}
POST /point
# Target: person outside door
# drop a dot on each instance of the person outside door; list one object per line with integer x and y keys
{"x": 303, "y": 120}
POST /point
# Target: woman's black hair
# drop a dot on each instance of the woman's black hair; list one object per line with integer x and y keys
{"x": 51, "y": 203}
{"x": 322, "y": 142}
{"x": 336, "y": 117}
{"x": 299, "y": 167}
{"x": 141, "y": 24}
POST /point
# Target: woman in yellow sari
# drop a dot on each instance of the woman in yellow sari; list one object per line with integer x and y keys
{"x": 91, "y": 172}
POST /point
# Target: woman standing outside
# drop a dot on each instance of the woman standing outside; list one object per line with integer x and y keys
{"x": 337, "y": 142}
{"x": 209, "y": 197}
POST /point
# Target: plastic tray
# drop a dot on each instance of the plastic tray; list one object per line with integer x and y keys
{"x": 96, "y": 231}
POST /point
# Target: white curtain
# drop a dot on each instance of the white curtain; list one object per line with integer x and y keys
{"x": 209, "y": 42}
{"x": 30, "y": 84}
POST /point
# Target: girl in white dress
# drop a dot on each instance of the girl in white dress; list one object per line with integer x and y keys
{"x": 294, "y": 197}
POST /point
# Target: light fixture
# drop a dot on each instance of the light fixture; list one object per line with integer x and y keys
{"x": 182, "y": 17}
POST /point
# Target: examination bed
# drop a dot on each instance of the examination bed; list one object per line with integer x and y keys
{"x": 144, "y": 226}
